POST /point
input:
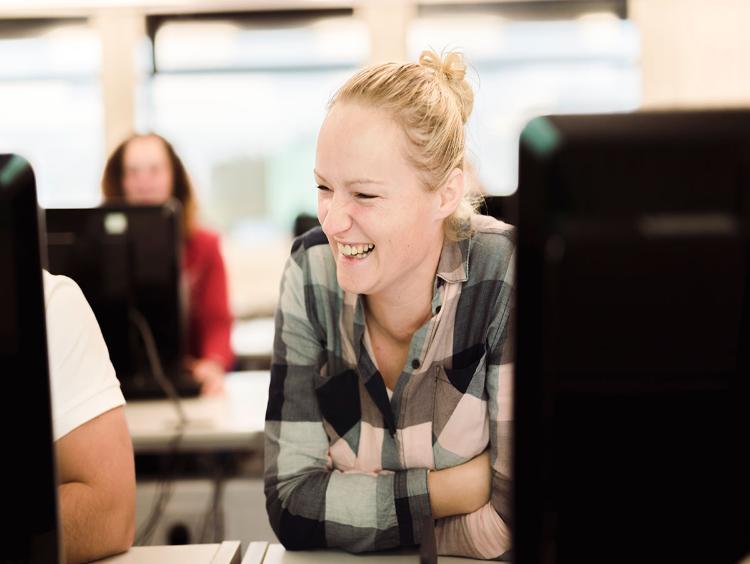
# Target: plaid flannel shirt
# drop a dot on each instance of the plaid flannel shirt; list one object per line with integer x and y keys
{"x": 346, "y": 466}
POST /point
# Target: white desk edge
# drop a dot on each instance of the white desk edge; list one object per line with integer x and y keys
{"x": 228, "y": 552}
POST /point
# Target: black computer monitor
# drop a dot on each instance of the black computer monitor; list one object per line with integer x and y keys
{"x": 30, "y": 530}
{"x": 631, "y": 409}
{"x": 127, "y": 261}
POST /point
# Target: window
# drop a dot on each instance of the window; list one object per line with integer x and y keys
{"x": 529, "y": 64}
{"x": 51, "y": 108}
{"x": 242, "y": 100}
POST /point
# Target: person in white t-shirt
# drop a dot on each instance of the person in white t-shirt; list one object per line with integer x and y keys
{"x": 92, "y": 443}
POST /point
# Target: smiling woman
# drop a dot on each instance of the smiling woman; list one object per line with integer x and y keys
{"x": 382, "y": 211}
{"x": 391, "y": 378}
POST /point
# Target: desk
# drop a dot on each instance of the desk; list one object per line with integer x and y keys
{"x": 230, "y": 425}
{"x": 233, "y": 422}
{"x": 228, "y": 552}
{"x": 252, "y": 342}
{"x": 276, "y": 554}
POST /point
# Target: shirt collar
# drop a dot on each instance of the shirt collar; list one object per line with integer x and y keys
{"x": 453, "y": 267}
{"x": 454, "y": 261}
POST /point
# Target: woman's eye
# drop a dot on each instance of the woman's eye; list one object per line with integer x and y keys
{"x": 323, "y": 188}
{"x": 361, "y": 196}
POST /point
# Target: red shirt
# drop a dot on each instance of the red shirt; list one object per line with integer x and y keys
{"x": 209, "y": 320}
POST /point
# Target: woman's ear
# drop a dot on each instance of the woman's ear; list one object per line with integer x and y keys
{"x": 451, "y": 193}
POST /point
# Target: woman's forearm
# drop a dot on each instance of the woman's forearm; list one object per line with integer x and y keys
{"x": 461, "y": 489}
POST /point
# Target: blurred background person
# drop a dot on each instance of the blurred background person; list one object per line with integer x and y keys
{"x": 144, "y": 169}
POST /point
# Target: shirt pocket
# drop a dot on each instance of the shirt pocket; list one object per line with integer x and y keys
{"x": 461, "y": 418}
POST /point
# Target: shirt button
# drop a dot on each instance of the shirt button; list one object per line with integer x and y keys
{"x": 415, "y": 363}
{"x": 437, "y": 309}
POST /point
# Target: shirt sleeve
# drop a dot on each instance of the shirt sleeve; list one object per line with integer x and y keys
{"x": 82, "y": 380}
{"x": 485, "y": 533}
{"x": 309, "y": 504}
{"x": 215, "y": 318}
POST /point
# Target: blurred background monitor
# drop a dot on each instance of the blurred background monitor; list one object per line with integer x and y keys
{"x": 30, "y": 533}
{"x": 631, "y": 427}
{"x": 504, "y": 208}
{"x": 127, "y": 261}
{"x": 303, "y": 222}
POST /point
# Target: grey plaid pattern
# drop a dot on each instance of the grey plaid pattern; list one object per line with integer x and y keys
{"x": 345, "y": 465}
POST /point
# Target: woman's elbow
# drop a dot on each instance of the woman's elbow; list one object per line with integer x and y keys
{"x": 295, "y": 532}
{"x": 294, "y": 541}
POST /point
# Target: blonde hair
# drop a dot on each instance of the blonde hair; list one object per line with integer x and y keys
{"x": 431, "y": 101}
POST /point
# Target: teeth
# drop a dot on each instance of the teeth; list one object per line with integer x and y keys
{"x": 359, "y": 251}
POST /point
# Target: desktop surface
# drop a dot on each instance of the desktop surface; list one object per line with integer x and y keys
{"x": 227, "y": 552}
{"x": 233, "y": 421}
{"x": 277, "y": 554}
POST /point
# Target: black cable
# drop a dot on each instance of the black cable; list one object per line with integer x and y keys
{"x": 219, "y": 509}
{"x": 219, "y": 513}
{"x": 213, "y": 518}
{"x": 162, "y": 495}
{"x": 165, "y": 485}
{"x": 207, "y": 514}
{"x": 155, "y": 364}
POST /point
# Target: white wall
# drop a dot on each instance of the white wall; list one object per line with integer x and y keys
{"x": 694, "y": 52}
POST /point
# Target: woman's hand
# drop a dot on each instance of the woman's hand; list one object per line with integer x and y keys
{"x": 210, "y": 375}
{"x": 460, "y": 489}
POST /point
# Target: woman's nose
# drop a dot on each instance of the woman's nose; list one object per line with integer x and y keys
{"x": 336, "y": 218}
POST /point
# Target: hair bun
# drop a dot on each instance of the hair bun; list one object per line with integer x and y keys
{"x": 451, "y": 66}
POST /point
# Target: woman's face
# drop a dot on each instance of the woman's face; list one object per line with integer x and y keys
{"x": 146, "y": 171}
{"x": 382, "y": 225}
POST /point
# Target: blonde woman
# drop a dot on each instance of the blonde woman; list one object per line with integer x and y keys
{"x": 391, "y": 382}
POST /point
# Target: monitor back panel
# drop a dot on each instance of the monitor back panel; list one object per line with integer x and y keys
{"x": 631, "y": 430}
{"x": 126, "y": 259}
{"x": 30, "y": 530}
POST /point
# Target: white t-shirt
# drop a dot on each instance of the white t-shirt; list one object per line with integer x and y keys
{"x": 82, "y": 379}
